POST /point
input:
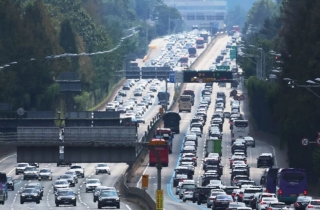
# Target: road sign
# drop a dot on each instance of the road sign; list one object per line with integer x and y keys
{"x": 145, "y": 181}
{"x": 159, "y": 200}
{"x": 304, "y": 142}
{"x": 206, "y": 76}
{"x": 318, "y": 141}
{"x": 233, "y": 54}
{"x": 172, "y": 76}
{"x": 216, "y": 25}
{"x": 223, "y": 67}
{"x": 242, "y": 97}
{"x": 234, "y": 47}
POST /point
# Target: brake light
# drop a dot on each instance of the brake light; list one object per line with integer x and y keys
{"x": 310, "y": 206}
{"x": 269, "y": 208}
{"x": 233, "y": 194}
{"x": 235, "y": 181}
{"x": 267, "y": 191}
{"x": 262, "y": 203}
{"x": 280, "y": 192}
{"x": 296, "y": 204}
{"x": 304, "y": 192}
{"x": 194, "y": 158}
{"x": 245, "y": 162}
{"x": 240, "y": 195}
{"x": 211, "y": 198}
{"x": 231, "y": 161}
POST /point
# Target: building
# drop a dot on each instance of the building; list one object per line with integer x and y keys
{"x": 207, "y": 14}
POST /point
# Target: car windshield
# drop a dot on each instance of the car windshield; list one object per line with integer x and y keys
{"x": 253, "y": 190}
{"x": 45, "y": 171}
{"x": 30, "y": 186}
{"x": 27, "y": 191}
{"x": 65, "y": 193}
{"x": 188, "y": 186}
{"x": 108, "y": 193}
{"x": 237, "y": 204}
{"x": 74, "y": 167}
{"x": 102, "y": 165}
{"x": 215, "y": 182}
{"x": 70, "y": 172}
{"x": 278, "y": 205}
{"x": 22, "y": 164}
{"x": 31, "y": 169}
{"x": 224, "y": 197}
{"x": 61, "y": 182}
{"x": 317, "y": 203}
{"x": 65, "y": 177}
{"x": 92, "y": 181}
{"x": 268, "y": 199}
{"x": 304, "y": 199}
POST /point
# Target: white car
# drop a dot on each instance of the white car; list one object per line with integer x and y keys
{"x": 20, "y": 168}
{"x": 217, "y": 183}
{"x": 30, "y": 172}
{"x": 186, "y": 185}
{"x": 45, "y": 174}
{"x": 282, "y": 206}
{"x": 78, "y": 169}
{"x": 197, "y": 131}
{"x": 187, "y": 195}
{"x": 91, "y": 184}
{"x": 264, "y": 203}
{"x": 61, "y": 183}
{"x": 102, "y": 168}
{"x": 213, "y": 196}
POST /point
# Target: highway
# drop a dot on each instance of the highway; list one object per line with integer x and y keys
{"x": 171, "y": 201}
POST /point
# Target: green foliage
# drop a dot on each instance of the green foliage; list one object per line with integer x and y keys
{"x": 166, "y": 14}
{"x": 82, "y": 100}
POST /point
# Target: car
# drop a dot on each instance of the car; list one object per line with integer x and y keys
{"x": 10, "y": 183}
{"x": 91, "y": 184}
{"x": 250, "y": 141}
{"x": 30, "y": 195}
{"x": 74, "y": 175}
{"x": 265, "y": 201}
{"x": 249, "y": 193}
{"x": 34, "y": 164}
{"x": 186, "y": 185}
{"x": 30, "y": 172}
{"x": 214, "y": 193}
{"x": 108, "y": 198}
{"x": 302, "y": 202}
{"x": 69, "y": 178}
{"x": 235, "y": 205}
{"x": 222, "y": 202}
{"x": 236, "y": 179}
{"x": 60, "y": 183}
{"x": 36, "y": 186}
{"x": 102, "y": 168}
{"x": 78, "y": 169}
{"x": 265, "y": 160}
{"x": 20, "y": 168}
{"x": 65, "y": 197}
{"x": 282, "y": 206}
{"x": 197, "y": 131}
{"x": 45, "y": 174}
{"x": 137, "y": 93}
{"x": 140, "y": 119}
{"x": 99, "y": 189}
{"x": 187, "y": 195}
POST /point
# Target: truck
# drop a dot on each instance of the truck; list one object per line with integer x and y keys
{"x": 204, "y": 35}
{"x": 213, "y": 145}
{"x": 192, "y": 52}
{"x": 160, "y": 146}
{"x": 190, "y": 93}
{"x": 172, "y": 120}
{"x": 185, "y": 103}
{"x": 163, "y": 98}
{"x": 166, "y": 134}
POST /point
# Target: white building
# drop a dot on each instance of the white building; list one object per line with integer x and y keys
{"x": 204, "y": 13}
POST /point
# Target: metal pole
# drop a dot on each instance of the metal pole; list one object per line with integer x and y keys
{"x": 264, "y": 66}
{"x": 167, "y": 98}
{"x": 159, "y": 167}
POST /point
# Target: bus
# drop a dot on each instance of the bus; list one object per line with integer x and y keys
{"x": 166, "y": 134}
{"x": 268, "y": 179}
{"x": 163, "y": 98}
{"x": 240, "y": 129}
{"x": 172, "y": 120}
{"x": 4, "y": 183}
{"x": 190, "y": 93}
{"x": 185, "y": 103}
{"x": 161, "y": 147}
{"x": 199, "y": 43}
{"x": 236, "y": 28}
{"x": 291, "y": 183}
{"x": 204, "y": 35}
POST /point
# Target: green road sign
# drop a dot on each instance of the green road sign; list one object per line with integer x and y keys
{"x": 203, "y": 76}
{"x": 223, "y": 67}
{"x": 233, "y": 54}
{"x": 234, "y": 47}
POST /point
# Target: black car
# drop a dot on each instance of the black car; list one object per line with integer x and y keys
{"x": 222, "y": 202}
{"x": 302, "y": 202}
{"x": 189, "y": 159}
{"x": 239, "y": 148}
{"x": 30, "y": 195}
{"x": 236, "y": 172}
{"x": 126, "y": 87}
{"x": 69, "y": 178}
{"x": 200, "y": 194}
{"x": 265, "y": 160}
{"x": 230, "y": 189}
{"x": 34, "y": 164}
{"x": 108, "y": 198}
{"x": 10, "y": 183}
{"x": 65, "y": 197}
{"x": 210, "y": 161}
{"x": 36, "y": 186}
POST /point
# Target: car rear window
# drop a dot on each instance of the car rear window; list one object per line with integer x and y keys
{"x": 315, "y": 203}
{"x": 252, "y": 190}
{"x": 278, "y": 205}
{"x": 303, "y": 199}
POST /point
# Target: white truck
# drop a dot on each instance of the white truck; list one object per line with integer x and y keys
{"x": 185, "y": 103}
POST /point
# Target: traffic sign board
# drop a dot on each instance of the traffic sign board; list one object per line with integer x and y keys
{"x": 172, "y": 76}
{"x": 234, "y": 47}
{"x": 233, "y": 54}
{"x": 145, "y": 181}
{"x": 159, "y": 199}
{"x": 223, "y": 67}
{"x": 318, "y": 141}
{"x": 304, "y": 142}
{"x": 242, "y": 97}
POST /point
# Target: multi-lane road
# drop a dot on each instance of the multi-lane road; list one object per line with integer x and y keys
{"x": 171, "y": 201}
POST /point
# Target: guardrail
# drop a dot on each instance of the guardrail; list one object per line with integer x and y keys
{"x": 140, "y": 194}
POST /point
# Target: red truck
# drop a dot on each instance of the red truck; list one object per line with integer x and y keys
{"x": 160, "y": 146}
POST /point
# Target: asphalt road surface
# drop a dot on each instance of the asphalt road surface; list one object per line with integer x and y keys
{"x": 171, "y": 201}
